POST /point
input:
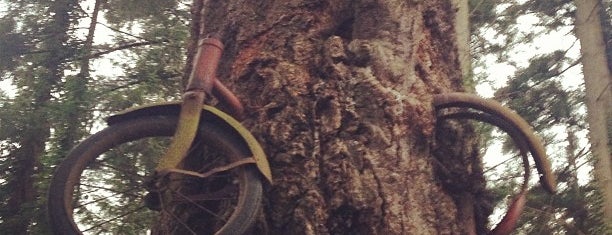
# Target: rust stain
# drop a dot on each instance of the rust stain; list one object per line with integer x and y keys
{"x": 246, "y": 55}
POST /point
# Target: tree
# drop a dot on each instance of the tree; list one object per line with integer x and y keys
{"x": 47, "y": 55}
{"x": 539, "y": 92}
{"x": 339, "y": 93}
{"x": 45, "y": 71}
{"x": 462, "y": 27}
{"x": 546, "y": 104}
{"x": 598, "y": 84}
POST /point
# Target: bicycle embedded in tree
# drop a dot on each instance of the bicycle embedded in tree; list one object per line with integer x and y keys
{"x": 199, "y": 170}
{"x": 207, "y": 182}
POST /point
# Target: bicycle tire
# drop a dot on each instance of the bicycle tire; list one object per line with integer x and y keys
{"x": 70, "y": 173}
{"x": 465, "y": 100}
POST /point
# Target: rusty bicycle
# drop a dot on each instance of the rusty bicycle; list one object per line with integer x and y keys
{"x": 201, "y": 171}
{"x": 205, "y": 177}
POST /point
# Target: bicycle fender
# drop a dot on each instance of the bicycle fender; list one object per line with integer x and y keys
{"x": 173, "y": 108}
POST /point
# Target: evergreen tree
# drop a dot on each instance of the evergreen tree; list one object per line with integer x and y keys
{"x": 48, "y": 48}
{"x": 316, "y": 111}
{"x": 37, "y": 73}
{"x": 538, "y": 93}
{"x": 598, "y": 98}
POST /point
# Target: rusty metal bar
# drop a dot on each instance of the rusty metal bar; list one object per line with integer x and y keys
{"x": 205, "y": 64}
{"x": 458, "y": 99}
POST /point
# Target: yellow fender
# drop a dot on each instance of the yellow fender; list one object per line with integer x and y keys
{"x": 173, "y": 109}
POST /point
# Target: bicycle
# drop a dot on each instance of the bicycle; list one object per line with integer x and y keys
{"x": 209, "y": 181}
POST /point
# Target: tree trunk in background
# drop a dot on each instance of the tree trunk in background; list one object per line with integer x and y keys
{"x": 75, "y": 102}
{"x": 578, "y": 208}
{"x": 598, "y": 85}
{"x": 339, "y": 94}
{"x": 36, "y": 95}
{"x": 462, "y": 27}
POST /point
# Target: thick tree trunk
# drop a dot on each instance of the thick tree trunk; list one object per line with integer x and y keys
{"x": 339, "y": 93}
{"x": 598, "y": 84}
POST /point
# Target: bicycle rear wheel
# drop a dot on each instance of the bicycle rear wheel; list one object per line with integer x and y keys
{"x": 101, "y": 186}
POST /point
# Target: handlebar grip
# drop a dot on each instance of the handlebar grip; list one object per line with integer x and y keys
{"x": 205, "y": 65}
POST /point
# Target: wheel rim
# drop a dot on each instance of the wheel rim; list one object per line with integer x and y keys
{"x": 110, "y": 197}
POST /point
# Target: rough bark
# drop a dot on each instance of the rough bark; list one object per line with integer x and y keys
{"x": 339, "y": 93}
{"x": 598, "y": 84}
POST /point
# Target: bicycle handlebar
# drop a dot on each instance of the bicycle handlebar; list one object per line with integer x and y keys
{"x": 203, "y": 75}
{"x": 205, "y": 65}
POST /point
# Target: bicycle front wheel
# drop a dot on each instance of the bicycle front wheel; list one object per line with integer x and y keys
{"x": 101, "y": 186}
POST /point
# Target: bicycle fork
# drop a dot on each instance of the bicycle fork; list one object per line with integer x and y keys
{"x": 202, "y": 81}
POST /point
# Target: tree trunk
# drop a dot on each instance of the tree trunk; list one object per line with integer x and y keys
{"x": 598, "y": 84}
{"x": 578, "y": 208}
{"x": 339, "y": 94}
{"x": 37, "y": 95}
{"x": 462, "y": 27}
{"x": 74, "y": 102}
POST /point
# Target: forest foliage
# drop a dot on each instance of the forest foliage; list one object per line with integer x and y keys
{"x": 70, "y": 63}
{"x": 547, "y": 93}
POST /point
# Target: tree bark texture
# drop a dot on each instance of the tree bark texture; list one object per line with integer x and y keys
{"x": 339, "y": 94}
{"x": 598, "y": 84}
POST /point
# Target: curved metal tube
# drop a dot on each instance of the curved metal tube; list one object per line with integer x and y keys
{"x": 503, "y": 125}
{"x": 510, "y": 219}
{"x": 494, "y": 113}
{"x": 464, "y": 100}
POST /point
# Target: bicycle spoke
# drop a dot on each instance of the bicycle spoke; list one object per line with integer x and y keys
{"x": 200, "y": 206}
{"x": 192, "y": 179}
{"x": 114, "y": 218}
{"x": 222, "y": 194}
{"x": 128, "y": 172}
{"x": 209, "y": 161}
{"x": 499, "y": 164}
{"x": 95, "y": 189}
{"x": 177, "y": 219}
{"x": 97, "y": 200}
{"x": 111, "y": 190}
{"x": 216, "y": 169}
{"x": 210, "y": 164}
{"x": 110, "y": 196}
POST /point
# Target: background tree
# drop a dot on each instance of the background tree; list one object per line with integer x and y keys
{"x": 541, "y": 94}
{"x": 48, "y": 48}
{"x": 598, "y": 84}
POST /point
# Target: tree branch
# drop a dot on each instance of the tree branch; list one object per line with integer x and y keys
{"x": 126, "y": 46}
{"x": 121, "y": 31}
